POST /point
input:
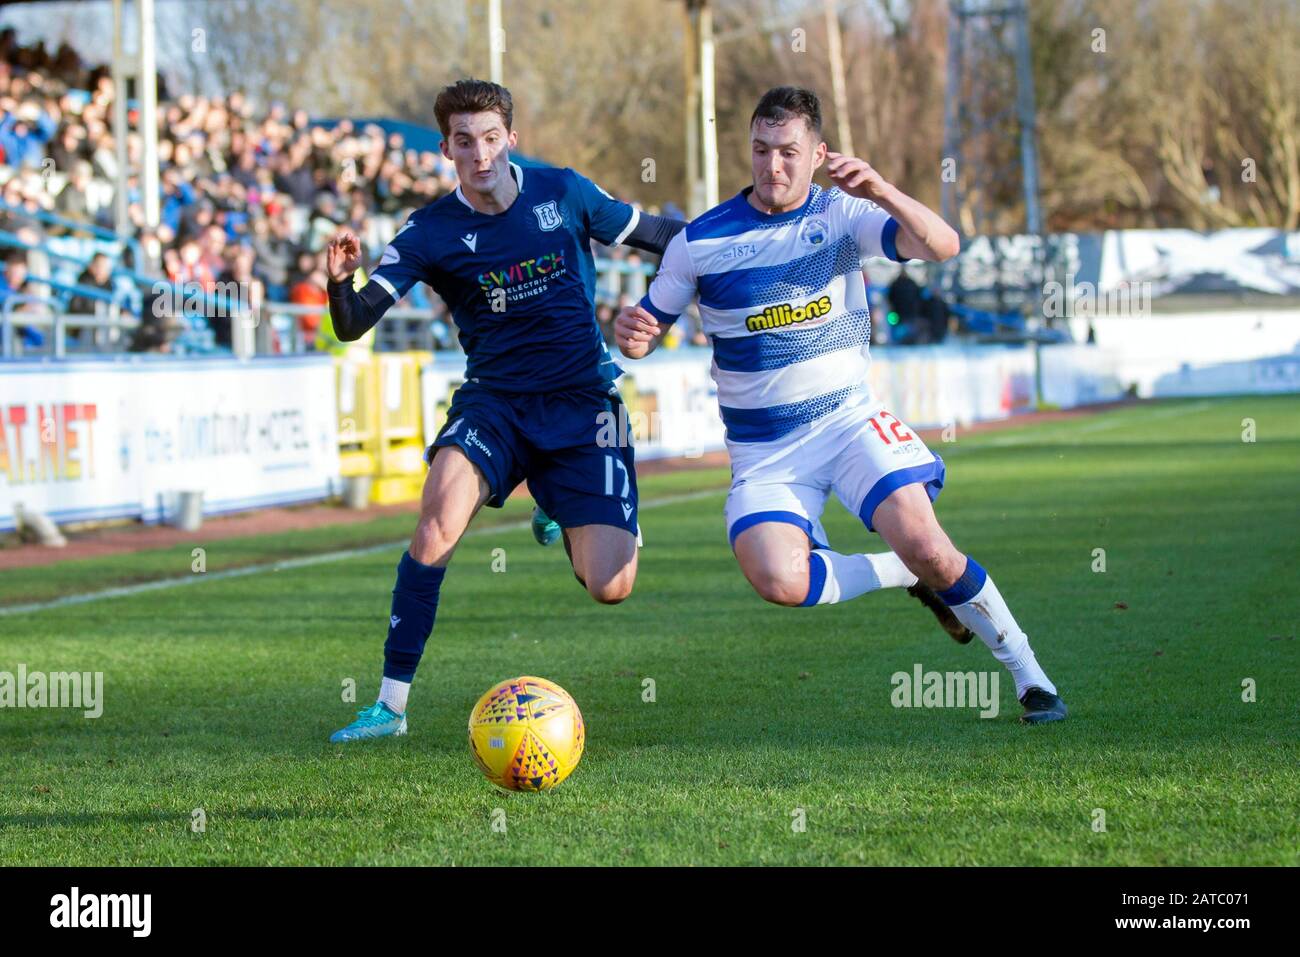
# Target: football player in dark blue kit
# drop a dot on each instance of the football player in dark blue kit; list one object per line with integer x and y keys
{"x": 509, "y": 252}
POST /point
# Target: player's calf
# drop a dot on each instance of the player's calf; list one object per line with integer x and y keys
{"x": 454, "y": 491}
{"x": 906, "y": 521}
{"x": 928, "y": 554}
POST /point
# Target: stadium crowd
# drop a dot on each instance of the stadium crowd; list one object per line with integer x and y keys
{"x": 248, "y": 196}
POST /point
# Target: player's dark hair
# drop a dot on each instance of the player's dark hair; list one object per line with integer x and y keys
{"x": 472, "y": 96}
{"x": 782, "y": 102}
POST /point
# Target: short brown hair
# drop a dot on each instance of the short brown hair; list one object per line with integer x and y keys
{"x": 781, "y": 103}
{"x": 472, "y": 96}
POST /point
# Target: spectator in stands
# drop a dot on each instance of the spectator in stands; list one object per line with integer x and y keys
{"x": 20, "y": 216}
{"x": 212, "y": 246}
{"x": 273, "y": 255}
{"x": 23, "y": 134}
{"x": 269, "y": 179}
{"x": 195, "y": 218}
{"x": 293, "y": 178}
{"x": 67, "y": 150}
{"x": 325, "y": 221}
{"x": 605, "y": 320}
{"x": 310, "y": 290}
{"x": 905, "y": 302}
{"x": 98, "y": 274}
{"x": 104, "y": 156}
{"x": 241, "y": 299}
{"x": 14, "y": 282}
{"x": 192, "y": 267}
{"x": 177, "y": 196}
{"x": 362, "y": 224}
{"x": 934, "y": 315}
{"x": 75, "y": 200}
{"x": 158, "y": 328}
{"x": 172, "y": 265}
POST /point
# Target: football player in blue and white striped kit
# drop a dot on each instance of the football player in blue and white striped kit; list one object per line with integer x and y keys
{"x": 777, "y": 273}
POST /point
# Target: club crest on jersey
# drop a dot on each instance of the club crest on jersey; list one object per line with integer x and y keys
{"x": 548, "y": 217}
{"x": 813, "y": 232}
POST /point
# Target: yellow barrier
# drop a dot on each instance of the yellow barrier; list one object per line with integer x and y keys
{"x": 380, "y": 429}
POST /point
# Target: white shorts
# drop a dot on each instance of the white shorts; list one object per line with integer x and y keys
{"x": 860, "y": 451}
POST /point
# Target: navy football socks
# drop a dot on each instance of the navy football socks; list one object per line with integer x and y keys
{"x": 415, "y": 605}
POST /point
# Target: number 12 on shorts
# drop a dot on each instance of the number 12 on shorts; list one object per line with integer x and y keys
{"x": 903, "y": 436}
{"x": 612, "y": 461}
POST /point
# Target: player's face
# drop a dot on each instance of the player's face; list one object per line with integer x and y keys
{"x": 784, "y": 156}
{"x": 479, "y": 144}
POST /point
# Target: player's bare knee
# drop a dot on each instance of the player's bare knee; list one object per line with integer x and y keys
{"x": 614, "y": 589}
{"x": 788, "y": 590}
{"x": 934, "y": 561}
{"x": 924, "y": 558}
{"x": 432, "y": 540}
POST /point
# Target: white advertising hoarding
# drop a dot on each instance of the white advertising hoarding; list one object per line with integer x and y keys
{"x": 672, "y": 402}
{"x": 87, "y": 440}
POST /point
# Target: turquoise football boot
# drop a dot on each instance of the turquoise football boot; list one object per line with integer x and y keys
{"x": 377, "y": 721}
{"x": 545, "y": 529}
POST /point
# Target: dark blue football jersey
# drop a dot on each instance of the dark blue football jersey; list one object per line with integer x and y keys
{"x": 520, "y": 284}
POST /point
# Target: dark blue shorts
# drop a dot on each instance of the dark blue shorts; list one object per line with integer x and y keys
{"x": 574, "y": 449}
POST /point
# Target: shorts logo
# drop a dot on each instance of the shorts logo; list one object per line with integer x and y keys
{"x": 627, "y": 511}
{"x": 548, "y": 217}
{"x": 471, "y": 438}
{"x": 813, "y": 232}
{"x": 784, "y": 314}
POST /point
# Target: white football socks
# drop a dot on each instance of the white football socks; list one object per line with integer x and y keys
{"x": 394, "y": 693}
{"x": 988, "y": 616}
{"x": 848, "y": 576}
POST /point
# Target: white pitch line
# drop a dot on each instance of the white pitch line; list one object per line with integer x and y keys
{"x": 288, "y": 563}
{"x": 1148, "y": 415}
{"x": 1047, "y": 435}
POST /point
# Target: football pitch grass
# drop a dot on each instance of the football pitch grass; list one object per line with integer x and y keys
{"x": 220, "y": 696}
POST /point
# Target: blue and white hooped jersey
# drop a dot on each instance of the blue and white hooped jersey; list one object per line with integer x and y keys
{"x": 783, "y": 301}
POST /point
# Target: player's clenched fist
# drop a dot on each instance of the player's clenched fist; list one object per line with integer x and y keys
{"x": 342, "y": 256}
{"x": 635, "y": 331}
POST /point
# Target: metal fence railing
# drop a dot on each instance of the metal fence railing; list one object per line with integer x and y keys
{"x": 197, "y": 323}
{"x": 105, "y": 331}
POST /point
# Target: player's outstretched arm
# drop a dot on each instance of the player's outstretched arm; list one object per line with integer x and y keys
{"x": 637, "y": 332}
{"x": 353, "y": 314}
{"x": 654, "y": 233}
{"x": 922, "y": 233}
